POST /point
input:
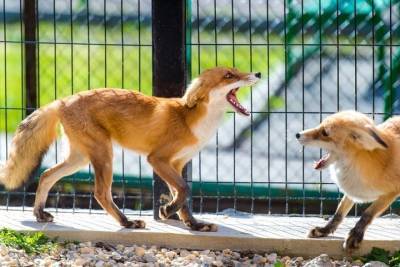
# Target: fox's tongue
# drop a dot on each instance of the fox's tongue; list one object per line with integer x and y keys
{"x": 321, "y": 162}
{"x": 232, "y": 99}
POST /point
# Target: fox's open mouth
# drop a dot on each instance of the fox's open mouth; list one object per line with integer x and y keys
{"x": 232, "y": 99}
{"x": 321, "y": 163}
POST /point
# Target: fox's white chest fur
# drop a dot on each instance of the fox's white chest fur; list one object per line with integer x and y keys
{"x": 350, "y": 182}
{"x": 203, "y": 130}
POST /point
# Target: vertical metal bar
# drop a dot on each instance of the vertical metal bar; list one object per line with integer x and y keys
{"x": 320, "y": 96}
{"x": 373, "y": 58}
{"x": 30, "y": 22}
{"x": 217, "y": 134}
{"x": 105, "y": 41}
{"x": 303, "y": 106}
{"x": 199, "y": 71}
{"x": 251, "y": 115}
{"x": 72, "y": 91}
{"x": 89, "y": 87}
{"x": 140, "y": 89}
{"x": 234, "y": 113}
{"x": 355, "y": 55}
{"x": 5, "y": 88}
{"x": 169, "y": 65}
{"x": 122, "y": 86}
{"x": 269, "y": 118}
{"x": 286, "y": 124}
{"x": 21, "y": 28}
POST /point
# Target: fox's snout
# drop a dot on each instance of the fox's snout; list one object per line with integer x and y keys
{"x": 307, "y": 135}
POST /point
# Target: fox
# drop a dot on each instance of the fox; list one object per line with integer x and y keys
{"x": 167, "y": 131}
{"x": 363, "y": 162}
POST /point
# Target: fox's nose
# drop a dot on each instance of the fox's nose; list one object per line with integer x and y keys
{"x": 258, "y": 75}
{"x": 298, "y": 135}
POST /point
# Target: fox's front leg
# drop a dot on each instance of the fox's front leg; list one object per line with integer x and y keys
{"x": 342, "y": 210}
{"x": 187, "y": 218}
{"x": 165, "y": 170}
{"x": 356, "y": 234}
{"x": 184, "y": 213}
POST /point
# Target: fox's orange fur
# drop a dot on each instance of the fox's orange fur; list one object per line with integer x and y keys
{"x": 168, "y": 131}
{"x": 364, "y": 163}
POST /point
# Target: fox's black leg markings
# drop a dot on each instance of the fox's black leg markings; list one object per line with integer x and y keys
{"x": 327, "y": 229}
{"x": 171, "y": 208}
{"x": 356, "y": 234}
{"x": 188, "y": 219}
{"x": 344, "y": 207}
{"x": 43, "y": 216}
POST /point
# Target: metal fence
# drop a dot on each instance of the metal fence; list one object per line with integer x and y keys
{"x": 316, "y": 57}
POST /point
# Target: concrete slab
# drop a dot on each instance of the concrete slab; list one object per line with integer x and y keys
{"x": 285, "y": 235}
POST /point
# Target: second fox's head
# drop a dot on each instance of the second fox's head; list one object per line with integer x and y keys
{"x": 344, "y": 132}
{"x": 219, "y": 86}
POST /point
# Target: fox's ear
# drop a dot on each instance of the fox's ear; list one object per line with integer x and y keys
{"x": 192, "y": 94}
{"x": 368, "y": 138}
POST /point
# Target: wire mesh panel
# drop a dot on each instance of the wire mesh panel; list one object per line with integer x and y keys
{"x": 316, "y": 58}
{"x": 80, "y": 45}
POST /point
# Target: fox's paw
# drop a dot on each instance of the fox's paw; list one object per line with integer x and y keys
{"x": 137, "y": 224}
{"x": 204, "y": 227}
{"x": 353, "y": 241}
{"x": 167, "y": 211}
{"x": 317, "y": 232}
{"x": 43, "y": 216}
{"x": 162, "y": 212}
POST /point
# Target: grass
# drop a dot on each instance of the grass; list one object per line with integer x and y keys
{"x": 29, "y": 242}
{"x": 65, "y": 69}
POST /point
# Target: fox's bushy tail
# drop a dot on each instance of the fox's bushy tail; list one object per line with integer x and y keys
{"x": 32, "y": 139}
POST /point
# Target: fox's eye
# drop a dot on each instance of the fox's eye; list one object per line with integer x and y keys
{"x": 228, "y": 75}
{"x": 324, "y": 133}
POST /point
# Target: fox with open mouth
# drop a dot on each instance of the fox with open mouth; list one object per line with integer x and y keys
{"x": 363, "y": 161}
{"x": 168, "y": 131}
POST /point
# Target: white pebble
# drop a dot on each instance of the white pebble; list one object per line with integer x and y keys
{"x": 218, "y": 263}
{"x": 171, "y": 254}
{"x": 272, "y": 257}
{"x": 80, "y": 261}
{"x": 120, "y": 247}
{"x": 139, "y": 251}
{"x": 86, "y": 250}
{"x": 149, "y": 257}
{"x": 184, "y": 253}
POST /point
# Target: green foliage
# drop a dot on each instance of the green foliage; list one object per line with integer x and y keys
{"x": 279, "y": 264}
{"x": 395, "y": 259}
{"x": 378, "y": 254}
{"x": 382, "y": 255}
{"x": 30, "y": 242}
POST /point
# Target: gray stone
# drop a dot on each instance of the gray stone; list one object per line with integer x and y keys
{"x": 322, "y": 260}
{"x": 375, "y": 264}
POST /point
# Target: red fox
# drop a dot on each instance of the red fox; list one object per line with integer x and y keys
{"x": 363, "y": 162}
{"x": 169, "y": 132}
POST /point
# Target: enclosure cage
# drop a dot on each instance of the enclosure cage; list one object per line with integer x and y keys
{"x": 316, "y": 58}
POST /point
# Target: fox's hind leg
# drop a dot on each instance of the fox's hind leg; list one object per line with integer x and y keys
{"x": 73, "y": 163}
{"x": 356, "y": 234}
{"x": 342, "y": 210}
{"x": 101, "y": 159}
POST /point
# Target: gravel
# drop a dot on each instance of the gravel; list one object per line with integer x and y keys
{"x": 104, "y": 255}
